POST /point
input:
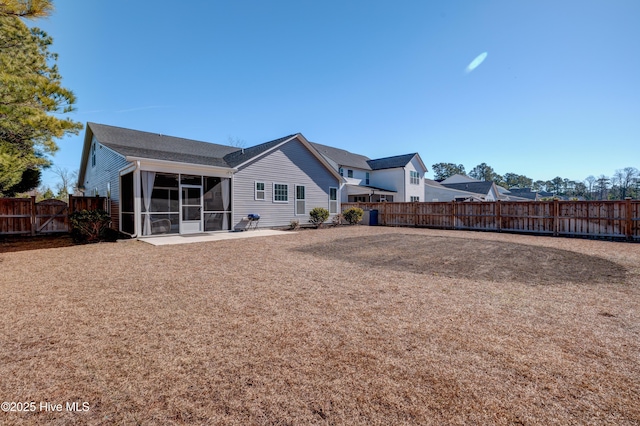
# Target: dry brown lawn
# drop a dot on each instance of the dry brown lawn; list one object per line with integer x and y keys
{"x": 354, "y": 325}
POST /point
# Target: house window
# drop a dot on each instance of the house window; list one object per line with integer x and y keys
{"x": 414, "y": 177}
{"x": 280, "y": 193}
{"x": 300, "y": 197}
{"x": 333, "y": 200}
{"x": 414, "y": 199}
{"x": 366, "y": 179}
{"x": 259, "y": 192}
{"x": 341, "y": 171}
{"x": 350, "y": 173}
{"x": 93, "y": 155}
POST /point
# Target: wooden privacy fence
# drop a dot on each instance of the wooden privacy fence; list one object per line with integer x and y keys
{"x": 594, "y": 219}
{"x": 23, "y": 216}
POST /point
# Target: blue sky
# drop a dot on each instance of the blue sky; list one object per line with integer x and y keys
{"x": 557, "y": 95}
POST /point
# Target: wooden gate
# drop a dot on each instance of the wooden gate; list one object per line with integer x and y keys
{"x": 23, "y": 216}
{"x": 51, "y": 216}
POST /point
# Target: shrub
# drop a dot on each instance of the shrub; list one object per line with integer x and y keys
{"x": 89, "y": 226}
{"x": 318, "y": 215}
{"x": 337, "y": 219}
{"x": 294, "y": 224}
{"x": 353, "y": 215}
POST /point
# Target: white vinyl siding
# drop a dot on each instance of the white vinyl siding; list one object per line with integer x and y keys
{"x": 280, "y": 193}
{"x": 300, "y": 200}
{"x": 259, "y": 191}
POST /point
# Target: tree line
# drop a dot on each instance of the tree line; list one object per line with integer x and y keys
{"x": 621, "y": 184}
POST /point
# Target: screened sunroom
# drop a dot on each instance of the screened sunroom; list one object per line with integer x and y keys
{"x": 160, "y": 203}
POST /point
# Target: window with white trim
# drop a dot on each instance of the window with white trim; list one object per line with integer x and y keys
{"x": 366, "y": 178}
{"x": 414, "y": 199}
{"x": 333, "y": 200}
{"x": 300, "y": 199}
{"x": 414, "y": 177}
{"x": 93, "y": 154}
{"x": 350, "y": 173}
{"x": 259, "y": 191}
{"x": 280, "y": 193}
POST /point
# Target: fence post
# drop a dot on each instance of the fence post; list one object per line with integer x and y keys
{"x": 629, "y": 218}
{"x": 453, "y": 214}
{"x": 556, "y": 215}
{"x": 414, "y": 207}
{"x": 70, "y": 207}
{"x": 33, "y": 215}
{"x": 498, "y": 215}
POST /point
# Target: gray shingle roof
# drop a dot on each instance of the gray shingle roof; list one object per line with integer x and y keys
{"x": 475, "y": 187}
{"x": 342, "y": 158}
{"x": 240, "y": 156}
{"x": 154, "y": 146}
{"x": 390, "y": 162}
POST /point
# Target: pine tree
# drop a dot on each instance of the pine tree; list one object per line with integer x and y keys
{"x": 30, "y": 94}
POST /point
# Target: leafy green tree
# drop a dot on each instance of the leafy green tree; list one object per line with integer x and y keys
{"x": 514, "y": 180}
{"x": 555, "y": 185}
{"x": 442, "y": 171}
{"x": 30, "y": 179}
{"x": 32, "y": 98}
{"x": 539, "y": 185}
{"x": 485, "y": 172}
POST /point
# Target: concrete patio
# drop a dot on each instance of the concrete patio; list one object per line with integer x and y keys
{"x": 218, "y": 236}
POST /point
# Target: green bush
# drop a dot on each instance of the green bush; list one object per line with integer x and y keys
{"x": 89, "y": 226}
{"x": 353, "y": 215}
{"x": 318, "y": 216}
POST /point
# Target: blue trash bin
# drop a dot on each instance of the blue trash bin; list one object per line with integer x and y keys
{"x": 373, "y": 218}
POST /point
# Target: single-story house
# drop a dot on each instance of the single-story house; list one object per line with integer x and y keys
{"x": 464, "y": 188}
{"x": 160, "y": 184}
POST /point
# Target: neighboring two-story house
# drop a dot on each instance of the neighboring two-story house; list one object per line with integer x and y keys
{"x": 397, "y": 178}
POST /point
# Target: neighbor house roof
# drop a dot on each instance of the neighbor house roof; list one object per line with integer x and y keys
{"x": 391, "y": 162}
{"x": 436, "y": 191}
{"x": 480, "y": 187}
{"x": 342, "y": 158}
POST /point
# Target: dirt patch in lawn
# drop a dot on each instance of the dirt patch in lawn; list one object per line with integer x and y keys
{"x": 474, "y": 259}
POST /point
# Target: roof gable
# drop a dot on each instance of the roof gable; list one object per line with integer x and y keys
{"x": 245, "y": 154}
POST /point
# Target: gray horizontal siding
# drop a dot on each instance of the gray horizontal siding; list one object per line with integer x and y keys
{"x": 291, "y": 164}
{"x": 106, "y": 170}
